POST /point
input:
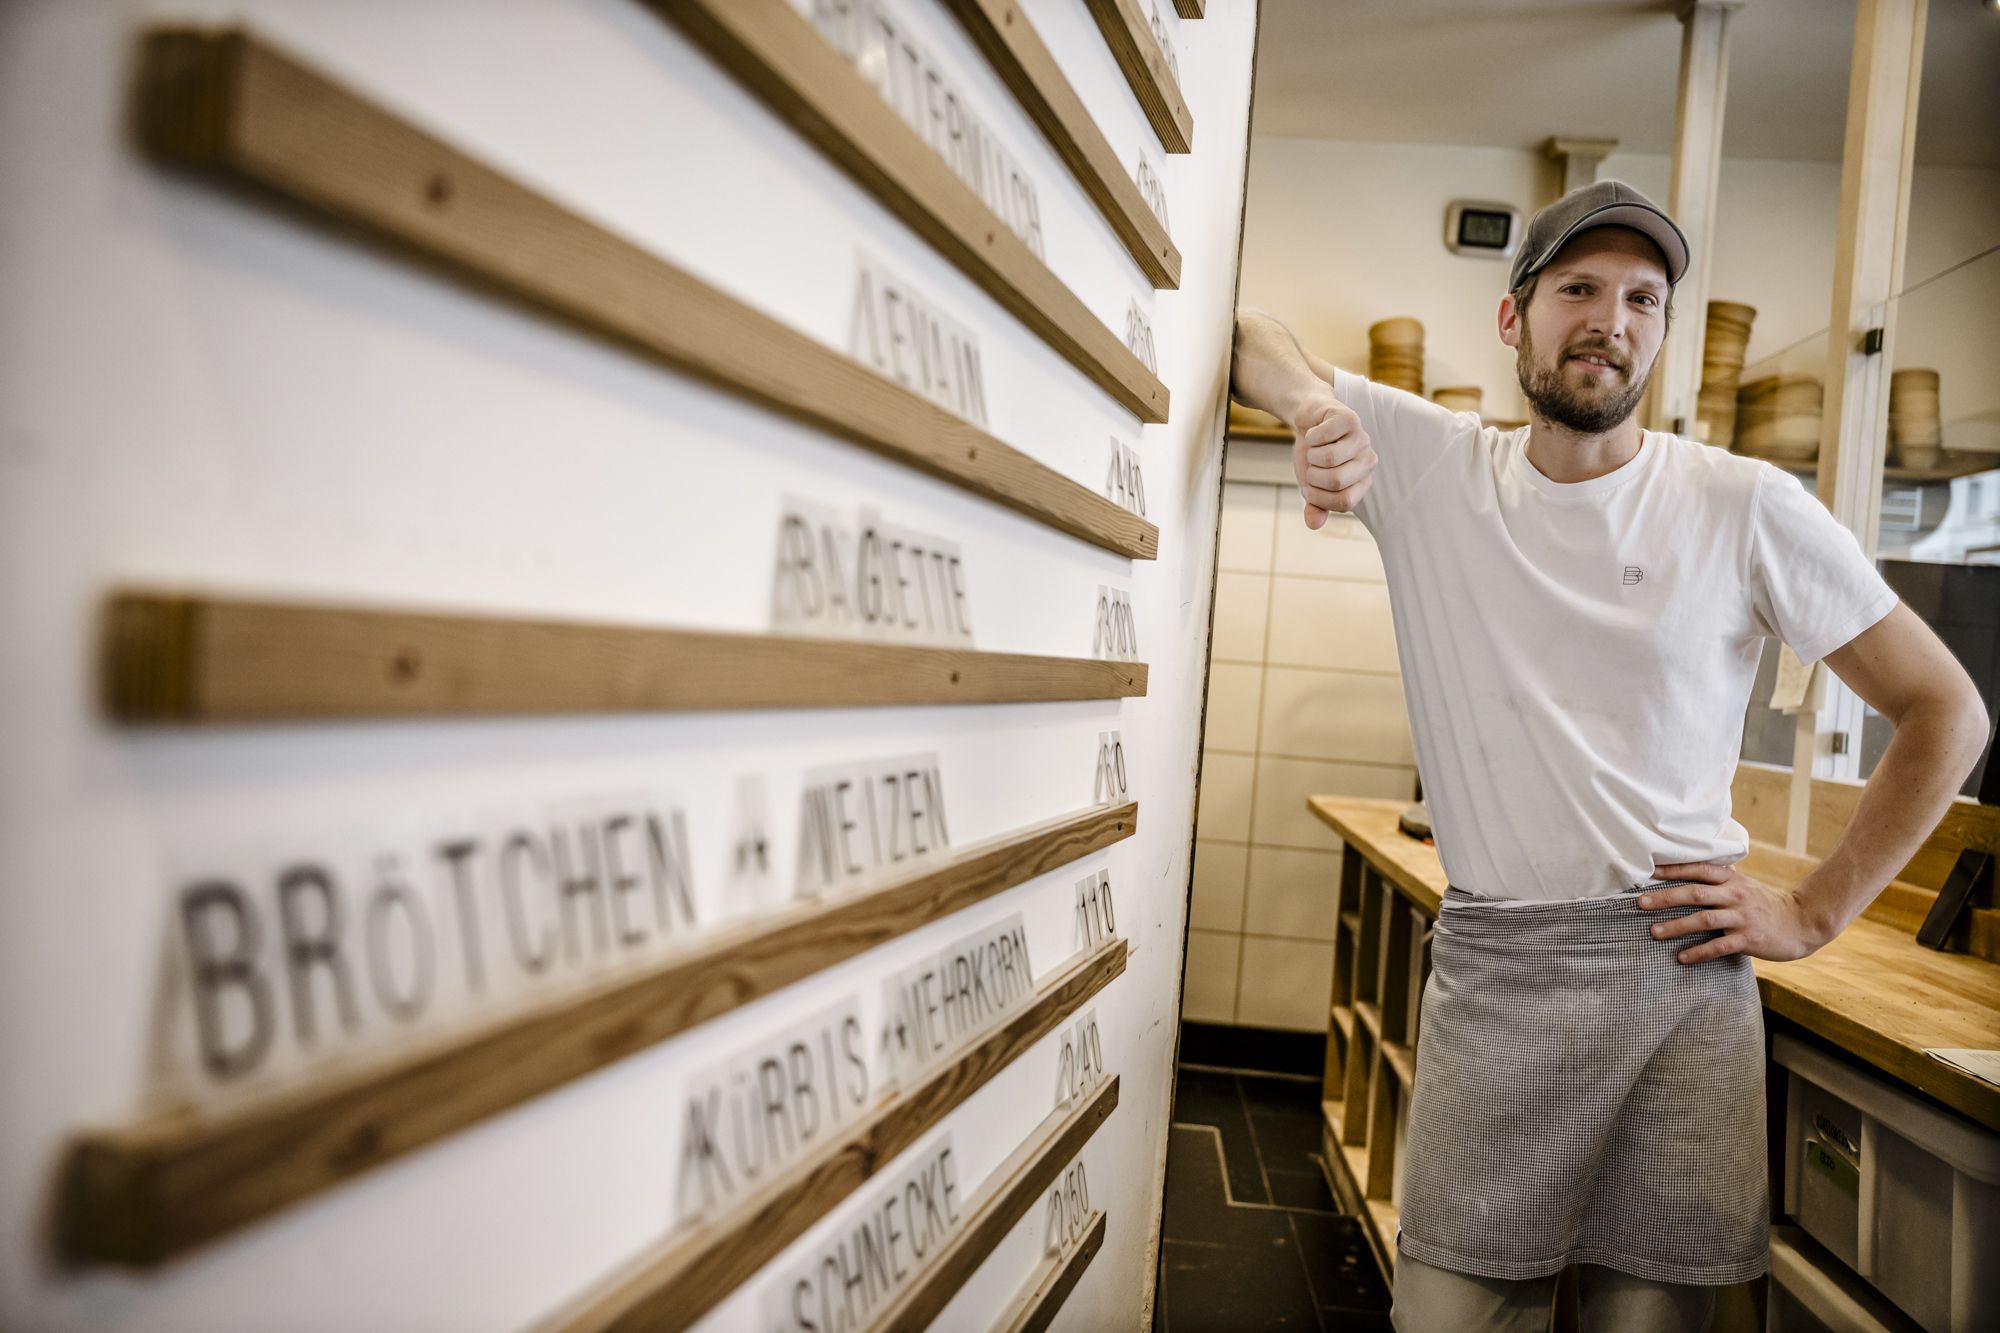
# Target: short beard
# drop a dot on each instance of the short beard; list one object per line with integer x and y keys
{"x": 1554, "y": 401}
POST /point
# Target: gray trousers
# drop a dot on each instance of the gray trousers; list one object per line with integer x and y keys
{"x": 1434, "y": 1300}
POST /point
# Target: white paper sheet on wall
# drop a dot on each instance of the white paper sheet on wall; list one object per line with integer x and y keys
{"x": 1794, "y": 682}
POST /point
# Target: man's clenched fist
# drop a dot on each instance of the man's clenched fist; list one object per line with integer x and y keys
{"x": 1331, "y": 458}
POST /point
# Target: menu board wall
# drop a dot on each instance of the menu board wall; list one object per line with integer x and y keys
{"x": 215, "y": 389}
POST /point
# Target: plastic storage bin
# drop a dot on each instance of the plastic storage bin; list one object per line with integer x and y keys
{"x": 1906, "y": 1195}
{"x": 1812, "y": 1293}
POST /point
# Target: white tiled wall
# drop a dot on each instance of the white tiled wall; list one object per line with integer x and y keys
{"x": 1304, "y": 699}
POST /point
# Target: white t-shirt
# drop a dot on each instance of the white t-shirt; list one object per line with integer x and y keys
{"x": 1577, "y": 658}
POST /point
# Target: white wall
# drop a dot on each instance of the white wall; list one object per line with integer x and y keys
{"x": 200, "y": 391}
{"x": 1305, "y": 698}
{"x": 1341, "y": 234}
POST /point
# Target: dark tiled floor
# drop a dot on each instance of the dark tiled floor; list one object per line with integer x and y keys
{"x": 1252, "y": 1237}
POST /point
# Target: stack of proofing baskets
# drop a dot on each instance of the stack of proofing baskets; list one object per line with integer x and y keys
{"x": 1722, "y": 345}
{"x": 1396, "y": 354}
{"x": 1916, "y": 430}
{"x": 1777, "y": 417}
{"x": 1459, "y": 398}
{"x": 1905, "y": 1195}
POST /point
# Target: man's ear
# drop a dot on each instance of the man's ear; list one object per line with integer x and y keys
{"x": 1510, "y": 321}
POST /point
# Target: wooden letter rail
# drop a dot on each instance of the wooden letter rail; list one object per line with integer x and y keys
{"x": 192, "y": 659}
{"x": 1145, "y": 67}
{"x": 1013, "y": 1188}
{"x": 1016, "y": 51}
{"x": 228, "y": 103}
{"x": 142, "y": 1194}
{"x": 1036, "y": 1309}
{"x": 689, "y": 1276}
{"x": 777, "y": 55}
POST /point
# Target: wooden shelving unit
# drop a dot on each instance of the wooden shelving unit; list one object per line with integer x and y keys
{"x": 1381, "y": 959}
{"x": 1951, "y": 467}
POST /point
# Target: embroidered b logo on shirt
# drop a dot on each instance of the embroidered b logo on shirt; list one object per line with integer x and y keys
{"x": 1633, "y": 574}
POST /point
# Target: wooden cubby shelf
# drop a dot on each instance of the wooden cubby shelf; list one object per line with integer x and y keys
{"x": 209, "y": 659}
{"x": 673, "y": 1288}
{"x": 775, "y": 53}
{"x": 1381, "y": 960}
{"x": 1054, "y": 1281}
{"x": 1144, "y": 65}
{"x": 1006, "y": 1196}
{"x": 144, "y": 1193}
{"x": 227, "y": 103}
{"x": 1028, "y": 68}
{"x": 1402, "y": 1062}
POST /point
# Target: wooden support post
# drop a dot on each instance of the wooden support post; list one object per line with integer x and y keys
{"x": 1697, "y": 164}
{"x": 1578, "y": 159}
{"x": 1882, "y": 89}
{"x": 1882, "y": 86}
{"x": 1868, "y": 259}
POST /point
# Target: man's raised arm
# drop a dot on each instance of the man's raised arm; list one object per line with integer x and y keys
{"x": 1331, "y": 455}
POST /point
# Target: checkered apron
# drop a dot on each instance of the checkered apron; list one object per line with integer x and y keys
{"x": 1581, "y": 1097}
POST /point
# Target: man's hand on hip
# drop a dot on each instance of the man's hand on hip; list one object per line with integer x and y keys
{"x": 1332, "y": 458}
{"x": 1753, "y": 917}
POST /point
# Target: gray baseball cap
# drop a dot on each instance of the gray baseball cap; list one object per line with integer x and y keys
{"x": 1606, "y": 203}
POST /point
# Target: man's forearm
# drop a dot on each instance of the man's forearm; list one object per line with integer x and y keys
{"x": 1908, "y": 793}
{"x": 1268, "y": 371}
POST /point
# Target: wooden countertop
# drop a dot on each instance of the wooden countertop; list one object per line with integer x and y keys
{"x": 1370, "y": 824}
{"x": 1874, "y": 991}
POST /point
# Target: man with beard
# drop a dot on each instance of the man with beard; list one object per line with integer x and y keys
{"x": 1580, "y": 606}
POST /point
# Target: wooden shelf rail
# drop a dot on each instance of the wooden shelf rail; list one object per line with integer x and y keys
{"x": 1190, "y": 9}
{"x": 1024, "y": 63}
{"x": 1006, "y": 1196}
{"x": 227, "y": 103}
{"x": 672, "y": 1288}
{"x": 144, "y": 1193}
{"x": 205, "y": 659}
{"x": 1052, "y": 1283}
{"x": 775, "y": 53}
{"x": 1144, "y": 65}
